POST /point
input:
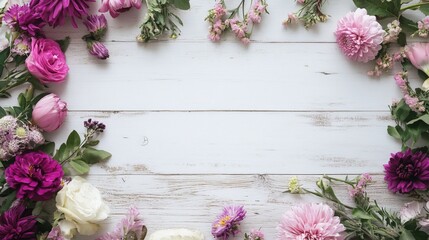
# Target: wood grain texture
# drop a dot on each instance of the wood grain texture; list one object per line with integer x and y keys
{"x": 193, "y": 201}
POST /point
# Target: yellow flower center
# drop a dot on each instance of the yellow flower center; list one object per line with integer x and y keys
{"x": 222, "y": 222}
{"x": 21, "y": 132}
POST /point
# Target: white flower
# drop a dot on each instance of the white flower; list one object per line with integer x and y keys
{"x": 410, "y": 211}
{"x": 177, "y": 234}
{"x": 82, "y": 206}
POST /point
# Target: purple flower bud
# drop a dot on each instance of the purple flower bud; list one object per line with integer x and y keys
{"x": 98, "y": 49}
{"x": 96, "y": 25}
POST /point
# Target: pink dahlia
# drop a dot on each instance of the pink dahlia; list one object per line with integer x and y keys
{"x": 54, "y": 12}
{"x": 34, "y": 175}
{"x": 359, "y": 36}
{"x": 310, "y": 221}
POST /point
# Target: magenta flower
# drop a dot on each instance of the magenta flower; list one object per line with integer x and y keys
{"x": 34, "y": 175}
{"x": 98, "y": 49}
{"x": 115, "y": 7}
{"x": 418, "y": 54}
{"x": 131, "y": 225}
{"x": 54, "y": 12}
{"x": 49, "y": 112}
{"x": 310, "y": 221}
{"x": 96, "y": 25}
{"x": 227, "y": 222}
{"x": 24, "y": 19}
{"x": 46, "y": 61}
{"x": 407, "y": 171}
{"x": 18, "y": 223}
{"x": 359, "y": 36}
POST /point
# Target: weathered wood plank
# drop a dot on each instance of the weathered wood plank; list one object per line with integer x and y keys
{"x": 243, "y": 142}
{"x": 193, "y": 201}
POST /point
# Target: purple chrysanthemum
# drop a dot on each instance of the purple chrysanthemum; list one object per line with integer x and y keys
{"x": 407, "y": 171}
{"x": 34, "y": 175}
{"x": 54, "y": 12}
{"x": 98, "y": 49}
{"x": 228, "y": 221}
{"x": 96, "y": 25}
{"x": 17, "y": 223}
{"x": 23, "y": 19}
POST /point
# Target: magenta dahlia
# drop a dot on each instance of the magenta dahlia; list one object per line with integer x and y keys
{"x": 359, "y": 36}
{"x": 18, "y": 223}
{"x": 310, "y": 221}
{"x": 227, "y": 222}
{"x": 407, "y": 171}
{"x": 34, "y": 175}
{"x": 54, "y": 12}
{"x": 23, "y": 19}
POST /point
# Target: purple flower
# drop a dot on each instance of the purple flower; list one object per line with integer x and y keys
{"x": 131, "y": 225}
{"x": 54, "y": 12}
{"x": 407, "y": 171}
{"x": 17, "y": 223}
{"x": 22, "y": 45}
{"x": 34, "y": 175}
{"x": 228, "y": 221}
{"x": 98, "y": 49}
{"x": 24, "y": 19}
{"x": 96, "y": 25}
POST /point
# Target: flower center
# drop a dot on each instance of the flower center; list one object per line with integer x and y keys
{"x": 223, "y": 221}
{"x": 405, "y": 171}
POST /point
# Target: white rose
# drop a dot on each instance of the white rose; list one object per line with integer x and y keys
{"x": 82, "y": 206}
{"x": 176, "y": 234}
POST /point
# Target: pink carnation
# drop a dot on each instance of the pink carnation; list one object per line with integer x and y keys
{"x": 310, "y": 221}
{"x": 359, "y": 36}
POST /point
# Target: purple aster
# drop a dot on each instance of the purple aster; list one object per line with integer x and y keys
{"x": 407, "y": 171}
{"x": 24, "y": 19}
{"x": 34, "y": 175}
{"x": 54, "y": 12}
{"x": 227, "y": 222}
{"x": 98, "y": 49}
{"x": 96, "y": 25}
{"x": 18, "y": 223}
{"x": 131, "y": 226}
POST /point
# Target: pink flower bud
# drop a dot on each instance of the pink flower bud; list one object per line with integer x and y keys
{"x": 49, "y": 113}
{"x": 115, "y": 7}
{"x": 96, "y": 25}
{"x": 418, "y": 54}
{"x": 98, "y": 49}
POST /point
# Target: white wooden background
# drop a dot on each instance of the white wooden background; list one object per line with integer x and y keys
{"x": 195, "y": 125}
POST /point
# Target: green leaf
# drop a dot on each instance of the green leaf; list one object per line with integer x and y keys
{"x": 22, "y": 101}
{"x": 2, "y": 112}
{"x": 406, "y": 235}
{"x": 48, "y": 148}
{"x": 423, "y": 76}
{"x": 73, "y": 140}
{"x": 359, "y": 213}
{"x": 59, "y": 155}
{"x": 92, "y": 155}
{"x": 424, "y": 118}
{"x": 380, "y": 8}
{"x": 7, "y": 202}
{"x": 79, "y": 166}
{"x": 402, "y": 39}
{"x": 181, "y": 4}
{"x": 401, "y": 111}
{"x": 424, "y": 9}
{"x": 64, "y": 44}
{"x": 3, "y": 57}
{"x": 408, "y": 25}
{"x": 393, "y": 132}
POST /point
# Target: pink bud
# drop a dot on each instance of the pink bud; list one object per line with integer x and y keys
{"x": 418, "y": 54}
{"x": 49, "y": 113}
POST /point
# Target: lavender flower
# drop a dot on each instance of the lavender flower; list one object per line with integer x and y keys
{"x": 94, "y": 125}
{"x": 21, "y": 45}
{"x": 131, "y": 227}
{"x": 98, "y": 49}
{"x": 24, "y": 19}
{"x": 227, "y": 222}
{"x": 18, "y": 223}
{"x": 407, "y": 171}
{"x": 96, "y": 25}
{"x": 360, "y": 187}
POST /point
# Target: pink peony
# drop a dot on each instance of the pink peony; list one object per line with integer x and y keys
{"x": 310, "y": 221}
{"x": 359, "y": 36}
{"x": 46, "y": 61}
{"x": 418, "y": 54}
{"x": 115, "y": 7}
{"x": 49, "y": 113}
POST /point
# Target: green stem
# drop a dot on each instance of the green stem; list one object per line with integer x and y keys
{"x": 339, "y": 180}
{"x": 71, "y": 156}
{"x": 414, "y": 6}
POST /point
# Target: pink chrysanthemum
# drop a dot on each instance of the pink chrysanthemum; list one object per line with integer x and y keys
{"x": 310, "y": 221}
{"x": 359, "y": 36}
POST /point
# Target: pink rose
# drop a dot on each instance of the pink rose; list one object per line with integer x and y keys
{"x": 117, "y": 6}
{"x": 49, "y": 113}
{"x": 46, "y": 61}
{"x": 418, "y": 54}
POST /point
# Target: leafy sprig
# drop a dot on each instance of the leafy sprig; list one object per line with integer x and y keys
{"x": 160, "y": 19}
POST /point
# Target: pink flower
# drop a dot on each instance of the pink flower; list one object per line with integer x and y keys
{"x": 49, "y": 113}
{"x": 228, "y": 222}
{"x": 410, "y": 211}
{"x": 131, "y": 225}
{"x": 310, "y": 221}
{"x": 98, "y": 50}
{"x": 115, "y": 7}
{"x": 359, "y": 36}
{"x": 418, "y": 54}
{"x": 46, "y": 61}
